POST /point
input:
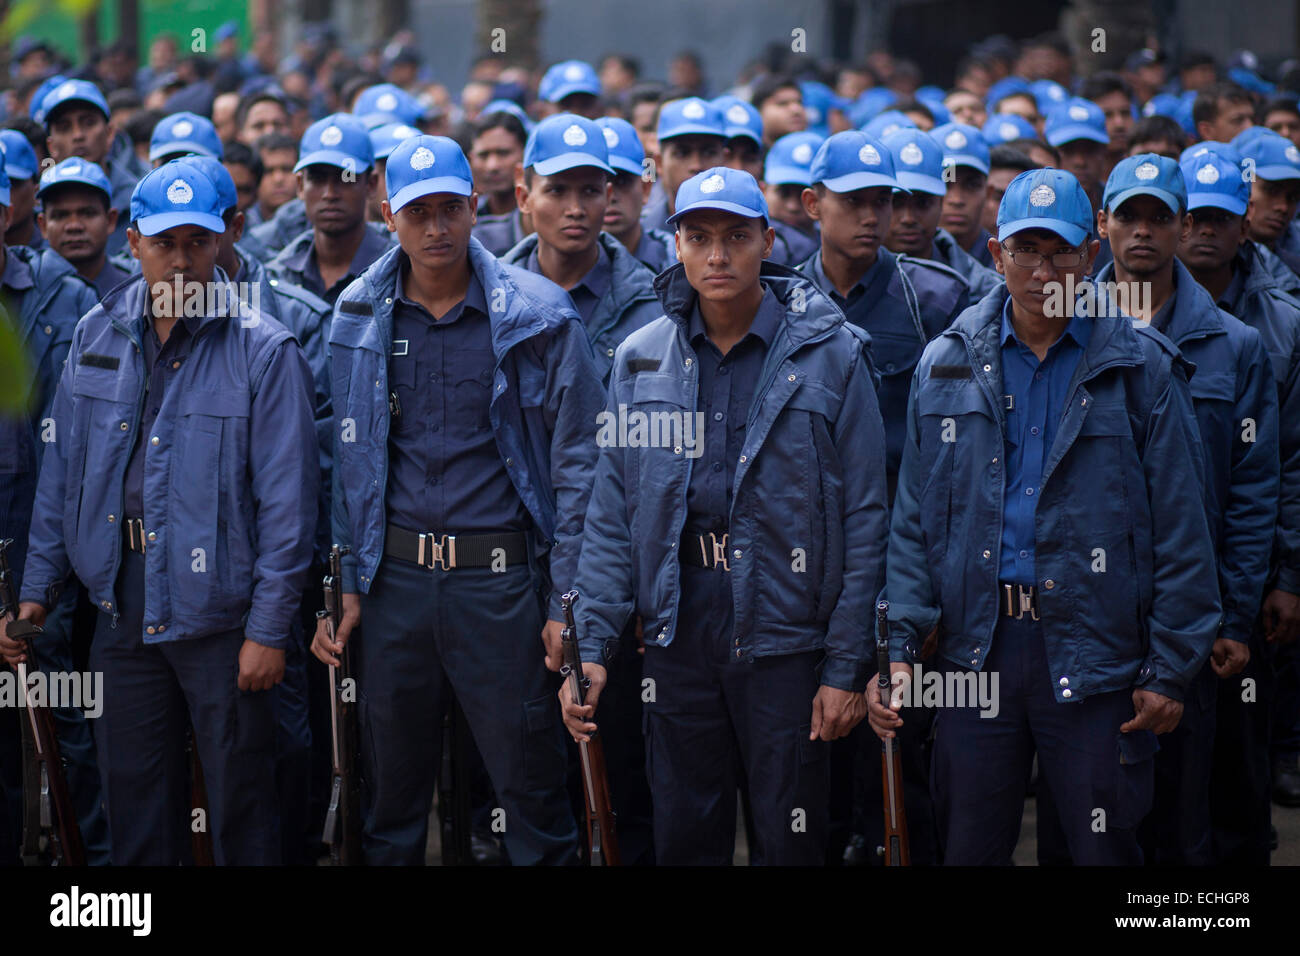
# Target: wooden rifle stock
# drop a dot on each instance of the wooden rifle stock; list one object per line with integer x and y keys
{"x": 895, "y": 850}
{"x": 602, "y": 837}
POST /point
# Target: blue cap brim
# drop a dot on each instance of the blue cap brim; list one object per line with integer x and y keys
{"x": 1272, "y": 173}
{"x": 72, "y": 181}
{"x": 915, "y": 182}
{"x": 1068, "y": 134}
{"x": 1068, "y": 231}
{"x": 161, "y": 222}
{"x": 719, "y": 204}
{"x": 425, "y": 187}
{"x": 102, "y": 107}
{"x": 693, "y": 129}
{"x": 558, "y": 164}
{"x": 1169, "y": 199}
{"x": 1231, "y": 203}
{"x": 569, "y": 89}
{"x": 180, "y": 146}
{"x": 623, "y": 164}
{"x": 782, "y": 175}
{"x": 851, "y": 181}
{"x": 376, "y": 120}
{"x": 19, "y": 172}
{"x": 330, "y": 157}
{"x": 965, "y": 159}
{"x": 735, "y": 132}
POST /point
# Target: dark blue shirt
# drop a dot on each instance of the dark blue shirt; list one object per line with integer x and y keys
{"x": 1038, "y": 393}
{"x": 108, "y": 277}
{"x": 445, "y": 473}
{"x": 873, "y": 281}
{"x": 373, "y": 245}
{"x": 161, "y": 361}
{"x": 590, "y": 289}
{"x": 727, "y": 386}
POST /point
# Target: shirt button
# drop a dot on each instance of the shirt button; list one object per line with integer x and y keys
{"x": 889, "y": 366}
{"x": 154, "y": 440}
{"x": 988, "y": 368}
{"x": 739, "y": 653}
{"x": 1066, "y": 693}
{"x": 1065, "y": 682}
{"x": 510, "y": 462}
{"x": 49, "y": 330}
{"x": 433, "y": 377}
{"x": 790, "y": 378}
{"x": 717, "y": 416}
{"x": 1034, "y": 430}
{"x": 988, "y": 553}
{"x": 161, "y": 628}
{"x": 106, "y": 605}
{"x": 388, "y": 302}
{"x": 677, "y": 450}
{"x": 724, "y": 370}
{"x": 736, "y": 554}
{"x": 1024, "y": 554}
{"x": 124, "y": 426}
{"x": 150, "y": 630}
{"x": 1049, "y": 584}
{"x": 1038, "y": 376}
{"x": 433, "y": 481}
{"x": 1029, "y": 491}
{"x": 995, "y": 461}
{"x": 153, "y": 536}
{"x": 112, "y": 518}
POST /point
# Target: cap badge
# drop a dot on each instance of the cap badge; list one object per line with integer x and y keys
{"x": 1078, "y": 113}
{"x": 1008, "y": 131}
{"x": 179, "y": 192}
{"x": 1207, "y": 175}
{"x": 1146, "y": 171}
{"x": 331, "y": 136}
{"x": 573, "y": 72}
{"x": 386, "y": 102}
{"x": 814, "y": 115}
{"x": 911, "y": 154}
{"x": 405, "y": 132}
{"x": 183, "y": 128}
{"x": 869, "y": 155}
{"x": 575, "y": 136}
{"x": 802, "y": 153}
{"x": 693, "y": 111}
{"x": 422, "y": 158}
{"x": 736, "y": 114}
{"x": 955, "y": 140}
{"x": 1293, "y": 154}
{"x": 713, "y": 184}
{"x": 1043, "y": 195}
{"x": 611, "y": 137}
{"x": 67, "y": 89}
{"x": 890, "y": 129}
{"x": 72, "y": 169}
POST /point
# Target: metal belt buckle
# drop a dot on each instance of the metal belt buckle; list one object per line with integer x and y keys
{"x": 1026, "y": 602}
{"x": 719, "y": 551}
{"x": 441, "y": 550}
{"x": 135, "y": 534}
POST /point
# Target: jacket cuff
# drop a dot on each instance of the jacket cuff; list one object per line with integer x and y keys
{"x": 348, "y": 571}
{"x": 1288, "y": 580}
{"x": 1166, "y": 688}
{"x": 260, "y": 630}
{"x": 845, "y": 673}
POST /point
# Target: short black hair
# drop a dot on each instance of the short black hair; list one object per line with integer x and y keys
{"x": 1150, "y": 129}
{"x": 1280, "y": 104}
{"x": 913, "y": 106}
{"x": 641, "y": 93}
{"x": 271, "y": 142}
{"x": 1005, "y": 156}
{"x": 354, "y": 84}
{"x": 261, "y": 96}
{"x": 1206, "y": 107}
{"x": 236, "y": 153}
{"x": 32, "y": 130}
{"x": 1052, "y": 40}
{"x": 499, "y": 119}
{"x": 140, "y": 126}
{"x": 1195, "y": 58}
{"x": 124, "y": 99}
{"x": 631, "y": 64}
{"x": 767, "y": 86}
{"x": 1027, "y": 145}
{"x": 1103, "y": 84}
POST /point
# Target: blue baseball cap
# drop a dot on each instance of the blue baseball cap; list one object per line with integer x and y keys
{"x": 511, "y": 107}
{"x": 1004, "y": 127}
{"x": 1007, "y": 86}
{"x": 724, "y": 188}
{"x": 853, "y": 160}
{"x": 626, "y": 154}
{"x": 938, "y": 111}
{"x": 1225, "y": 150}
{"x": 566, "y": 141}
{"x": 20, "y": 158}
{"x": 962, "y": 146}
{"x": 175, "y": 194}
{"x": 75, "y": 170}
{"x": 184, "y": 133}
{"x": 819, "y": 100}
{"x": 227, "y": 30}
{"x": 426, "y": 164}
{"x": 790, "y": 159}
{"x": 4, "y": 188}
{"x": 1050, "y": 199}
{"x": 1247, "y": 135}
{"x": 918, "y": 161}
{"x": 219, "y": 176}
{"x": 869, "y": 103}
{"x": 35, "y": 106}
{"x": 384, "y": 139}
{"x": 1076, "y": 119}
{"x": 1214, "y": 180}
{"x": 1274, "y": 156}
{"x": 888, "y": 122}
{"x": 739, "y": 118}
{"x": 339, "y": 139}
{"x": 1048, "y": 94}
{"x": 1147, "y": 174}
{"x": 565, "y": 79}
{"x": 387, "y": 103}
{"x": 691, "y": 116}
{"x": 73, "y": 91}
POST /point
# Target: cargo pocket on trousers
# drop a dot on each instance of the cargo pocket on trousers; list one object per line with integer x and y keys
{"x": 1136, "y": 778}
{"x": 543, "y": 746}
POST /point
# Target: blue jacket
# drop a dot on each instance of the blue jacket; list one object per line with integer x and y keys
{"x": 499, "y": 234}
{"x": 266, "y": 239}
{"x": 1281, "y": 273}
{"x": 657, "y": 249}
{"x": 545, "y": 398}
{"x": 629, "y": 304}
{"x": 229, "y": 480}
{"x": 791, "y": 246}
{"x": 1233, "y": 385}
{"x": 284, "y": 267}
{"x": 1276, "y": 317}
{"x": 811, "y": 476}
{"x": 1121, "y": 485}
{"x": 981, "y": 279}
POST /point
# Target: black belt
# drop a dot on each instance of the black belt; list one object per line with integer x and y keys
{"x": 447, "y": 551}
{"x": 133, "y": 534}
{"x": 707, "y": 550}
{"x": 1019, "y": 600}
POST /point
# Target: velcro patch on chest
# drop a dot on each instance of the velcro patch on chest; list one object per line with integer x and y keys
{"x": 635, "y": 365}
{"x": 950, "y": 371}
{"x": 356, "y": 307}
{"x": 95, "y": 360}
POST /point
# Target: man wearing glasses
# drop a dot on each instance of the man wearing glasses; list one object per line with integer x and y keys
{"x": 1049, "y": 530}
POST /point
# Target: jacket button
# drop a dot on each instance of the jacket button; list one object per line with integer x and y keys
{"x": 975, "y": 661}
{"x": 161, "y": 628}
{"x": 609, "y": 352}
{"x": 152, "y": 536}
{"x": 736, "y": 554}
{"x": 987, "y": 553}
{"x": 275, "y": 282}
{"x": 1065, "y": 682}
{"x": 744, "y": 458}
{"x": 388, "y": 302}
{"x": 150, "y": 630}
{"x": 1067, "y": 694}
{"x": 124, "y": 426}
{"x": 1049, "y": 584}
{"x": 112, "y": 518}
{"x": 509, "y": 462}
{"x": 739, "y": 653}
{"x": 49, "y": 330}
{"x": 988, "y": 368}
{"x": 688, "y": 363}
{"x": 995, "y": 461}
{"x": 106, "y": 605}
{"x": 790, "y": 378}
{"x": 154, "y": 440}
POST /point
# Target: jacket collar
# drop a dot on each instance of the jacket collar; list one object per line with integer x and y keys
{"x": 627, "y": 284}
{"x": 125, "y": 305}
{"x": 1194, "y": 314}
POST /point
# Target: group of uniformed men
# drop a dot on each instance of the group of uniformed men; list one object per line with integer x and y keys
{"x": 899, "y": 360}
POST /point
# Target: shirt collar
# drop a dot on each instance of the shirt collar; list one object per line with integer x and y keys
{"x": 474, "y": 295}
{"x": 819, "y": 276}
{"x": 1233, "y": 292}
{"x": 17, "y": 274}
{"x": 1079, "y": 329}
{"x": 598, "y": 277}
{"x": 767, "y": 320}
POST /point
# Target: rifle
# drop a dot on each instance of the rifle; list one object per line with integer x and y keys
{"x": 47, "y": 802}
{"x": 200, "y": 840}
{"x": 343, "y": 818}
{"x": 454, "y": 809}
{"x": 895, "y": 849}
{"x": 602, "y": 840}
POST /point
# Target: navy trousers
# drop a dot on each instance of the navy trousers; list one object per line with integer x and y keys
{"x": 1102, "y": 780}
{"x": 150, "y": 692}
{"x": 1241, "y": 806}
{"x": 475, "y": 633}
{"x": 714, "y": 714}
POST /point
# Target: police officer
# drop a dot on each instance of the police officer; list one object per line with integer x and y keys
{"x": 914, "y": 225}
{"x": 1077, "y": 128}
{"x": 629, "y": 190}
{"x": 754, "y": 587}
{"x": 183, "y": 134}
{"x": 966, "y": 162}
{"x": 44, "y": 297}
{"x": 1041, "y": 449}
{"x": 77, "y": 124}
{"x": 21, "y": 168}
{"x": 335, "y": 178}
{"x": 1228, "y": 268}
{"x": 1274, "y": 195}
{"x": 195, "y": 539}
{"x": 77, "y": 218}
{"x": 902, "y": 302}
{"x": 570, "y": 87}
{"x": 744, "y": 129}
{"x": 458, "y": 478}
{"x": 692, "y": 136}
{"x": 1235, "y": 398}
{"x": 563, "y": 187}
{"x": 785, "y": 176}
{"x": 383, "y": 140}
{"x": 278, "y": 185}
{"x": 496, "y": 148}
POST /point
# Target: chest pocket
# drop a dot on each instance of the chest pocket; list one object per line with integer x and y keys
{"x": 469, "y": 376}
{"x": 894, "y": 353}
{"x": 404, "y": 402}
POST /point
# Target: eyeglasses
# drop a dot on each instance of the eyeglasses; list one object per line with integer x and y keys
{"x": 1032, "y": 260}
